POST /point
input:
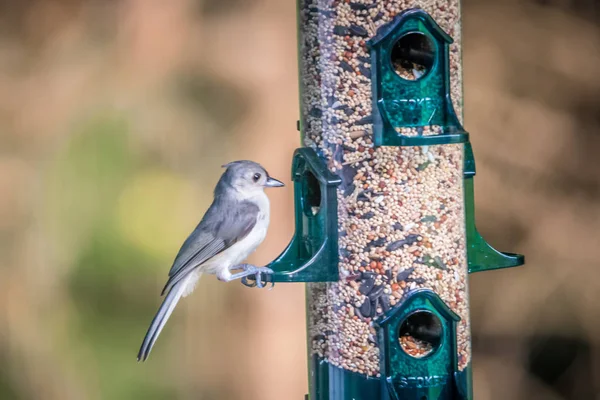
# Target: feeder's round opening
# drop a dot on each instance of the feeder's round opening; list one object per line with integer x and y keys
{"x": 420, "y": 334}
{"x": 311, "y": 194}
{"x": 413, "y": 56}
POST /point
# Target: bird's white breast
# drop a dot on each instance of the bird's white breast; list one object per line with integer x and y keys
{"x": 256, "y": 236}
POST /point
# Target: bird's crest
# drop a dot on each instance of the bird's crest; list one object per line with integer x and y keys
{"x": 235, "y": 163}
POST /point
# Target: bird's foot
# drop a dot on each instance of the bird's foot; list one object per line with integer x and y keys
{"x": 252, "y": 275}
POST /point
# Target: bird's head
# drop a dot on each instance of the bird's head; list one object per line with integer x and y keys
{"x": 248, "y": 177}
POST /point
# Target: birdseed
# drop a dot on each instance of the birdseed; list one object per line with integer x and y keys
{"x": 415, "y": 347}
{"x": 401, "y": 209}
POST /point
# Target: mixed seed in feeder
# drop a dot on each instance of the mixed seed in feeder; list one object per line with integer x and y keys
{"x": 412, "y": 56}
{"x": 415, "y": 347}
{"x": 400, "y": 209}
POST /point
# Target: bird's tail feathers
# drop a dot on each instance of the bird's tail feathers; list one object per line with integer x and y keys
{"x": 161, "y": 317}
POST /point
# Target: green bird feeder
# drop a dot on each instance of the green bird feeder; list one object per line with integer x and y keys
{"x": 385, "y": 231}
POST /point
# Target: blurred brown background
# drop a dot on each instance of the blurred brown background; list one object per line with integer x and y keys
{"x": 115, "y": 116}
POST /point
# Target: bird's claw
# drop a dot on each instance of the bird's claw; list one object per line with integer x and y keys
{"x": 256, "y": 276}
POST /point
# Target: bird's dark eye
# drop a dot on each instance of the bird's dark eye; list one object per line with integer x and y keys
{"x": 256, "y": 177}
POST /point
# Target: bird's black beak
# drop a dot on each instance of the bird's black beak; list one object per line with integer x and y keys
{"x": 272, "y": 182}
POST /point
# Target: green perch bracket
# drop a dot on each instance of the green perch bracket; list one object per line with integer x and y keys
{"x": 481, "y": 255}
{"x": 412, "y": 38}
{"x": 312, "y": 255}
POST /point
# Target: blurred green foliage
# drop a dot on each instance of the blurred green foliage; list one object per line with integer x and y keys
{"x": 7, "y": 389}
{"x": 113, "y": 216}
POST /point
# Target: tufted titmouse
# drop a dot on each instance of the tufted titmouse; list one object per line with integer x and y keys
{"x": 232, "y": 228}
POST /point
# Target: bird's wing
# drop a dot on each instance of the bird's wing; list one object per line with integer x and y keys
{"x": 222, "y": 226}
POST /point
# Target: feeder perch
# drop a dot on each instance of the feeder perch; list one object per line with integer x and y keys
{"x": 481, "y": 255}
{"x": 312, "y": 255}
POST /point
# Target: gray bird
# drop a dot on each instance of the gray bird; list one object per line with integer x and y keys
{"x": 232, "y": 228}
